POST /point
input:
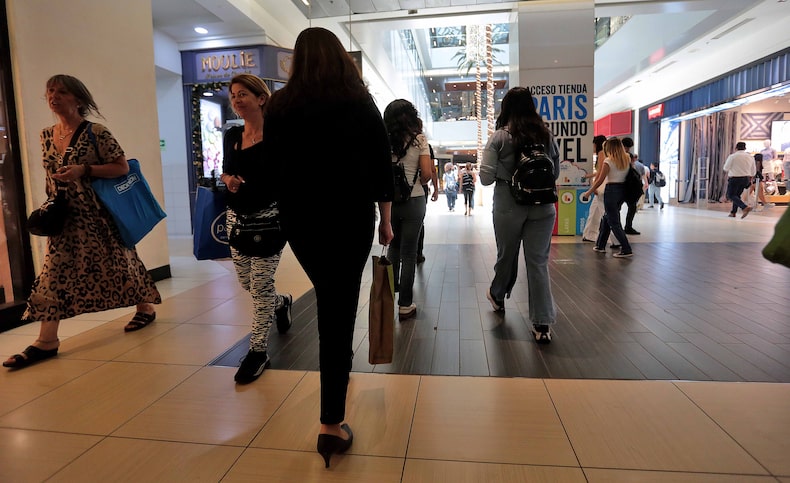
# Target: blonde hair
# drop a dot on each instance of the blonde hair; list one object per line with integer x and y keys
{"x": 613, "y": 149}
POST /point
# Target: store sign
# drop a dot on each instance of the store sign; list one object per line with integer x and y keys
{"x": 223, "y": 65}
{"x": 655, "y": 112}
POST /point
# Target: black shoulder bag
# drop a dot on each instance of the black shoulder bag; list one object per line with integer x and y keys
{"x": 50, "y": 218}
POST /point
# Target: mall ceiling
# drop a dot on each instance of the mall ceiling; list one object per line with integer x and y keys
{"x": 666, "y": 47}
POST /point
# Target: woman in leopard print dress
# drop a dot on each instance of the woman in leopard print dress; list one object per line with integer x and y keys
{"x": 86, "y": 268}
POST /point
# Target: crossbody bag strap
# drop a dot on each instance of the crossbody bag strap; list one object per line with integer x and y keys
{"x": 416, "y": 173}
{"x": 67, "y": 154}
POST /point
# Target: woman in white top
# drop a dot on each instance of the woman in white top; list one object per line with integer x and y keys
{"x": 408, "y": 145}
{"x": 614, "y": 171}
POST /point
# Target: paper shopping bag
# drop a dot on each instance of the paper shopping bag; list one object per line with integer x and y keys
{"x": 778, "y": 249}
{"x": 382, "y": 312}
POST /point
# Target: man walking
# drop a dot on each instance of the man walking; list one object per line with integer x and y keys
{"x": 740, "y": 169}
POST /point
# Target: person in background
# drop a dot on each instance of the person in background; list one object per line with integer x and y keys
{"x": 593, "y": 223}
{"x": 468, "y": 180}
{"x": 758, "y": 183}
{"x": 408, "y": 144}
{"x": 450, "y": 180}
{"x": 740, "y": 168}
{"x": 87, "y": 268}
{"x": 653, "y": 190}
{"x": 628, "y": 145}
{"x": 250, "y": 192}
{"x": 435, "y": 196}
{"x": 323, "y": 110}
{"x": 515, "y": 225}
{"x": 613, "y": 171}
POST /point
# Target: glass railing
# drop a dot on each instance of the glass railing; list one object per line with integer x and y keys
{"x": 605, "y": 27}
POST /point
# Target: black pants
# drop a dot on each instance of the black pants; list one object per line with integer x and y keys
{"x": 334, "y": 262}
{"x": 630, "y": 214}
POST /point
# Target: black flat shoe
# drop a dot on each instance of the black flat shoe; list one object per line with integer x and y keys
{"x": 29, "y": 356}
{"x": 329, "y": 444}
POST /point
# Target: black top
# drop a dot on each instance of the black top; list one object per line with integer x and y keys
{"x": 257, "y": 192}
{"x": 330, "y": 157}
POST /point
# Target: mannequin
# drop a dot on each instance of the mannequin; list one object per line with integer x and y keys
{"x": 769, "y": 160}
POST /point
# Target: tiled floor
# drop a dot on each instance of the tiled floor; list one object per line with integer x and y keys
{"x": 147, "y": 406}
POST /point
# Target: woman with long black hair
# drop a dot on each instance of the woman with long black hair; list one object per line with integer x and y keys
{"x": 519, "y": 126}
{"x": 325, "y": 121}
{"x": 410, "y": 148}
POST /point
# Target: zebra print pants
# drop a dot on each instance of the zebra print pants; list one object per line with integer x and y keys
{"x": 256, "y": 276}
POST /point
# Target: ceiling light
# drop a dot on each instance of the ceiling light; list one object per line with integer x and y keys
{"x": 306, "y": 3}
{"x": 208, "y": 94}
{"x": 201, "y": 30}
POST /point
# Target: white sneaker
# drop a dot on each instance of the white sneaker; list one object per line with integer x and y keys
{"x": 770, "y": 205}
{"x": 407, "y": 311}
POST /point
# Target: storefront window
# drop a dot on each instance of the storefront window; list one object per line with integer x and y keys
{"x": 16, "y": 264}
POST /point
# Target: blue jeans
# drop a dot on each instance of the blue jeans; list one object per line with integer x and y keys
{"x": 406, "y": 218}
{"x": 530, "y": 227}
{"x": 735, "y": 186}
{"x": 653, "y": 190}
{"x": 613, "y": 199}
{"x": 452, "y": 195}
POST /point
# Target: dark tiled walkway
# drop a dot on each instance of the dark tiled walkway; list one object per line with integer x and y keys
{"x": 689, "y": 311}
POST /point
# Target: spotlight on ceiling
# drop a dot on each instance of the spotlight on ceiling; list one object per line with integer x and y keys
{"x": 201, "y": 30}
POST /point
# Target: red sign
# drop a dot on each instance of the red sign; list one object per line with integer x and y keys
{"x": 655, "y": 112}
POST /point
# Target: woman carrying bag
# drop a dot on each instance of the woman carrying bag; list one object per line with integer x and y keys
{"x": 87, "y": 268}
{"x": 251, "y": 195}
{"x": 325, "y": 118}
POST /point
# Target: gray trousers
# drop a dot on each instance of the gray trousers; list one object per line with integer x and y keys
{"x": 530, "y": 227}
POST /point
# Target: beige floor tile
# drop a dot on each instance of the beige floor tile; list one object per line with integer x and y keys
{"x": 187, "y": 344}
{"x": 210, "y": 408}
{"x": 264, "y": 465}
{"x": 109, "y": 341}
{"x": 221, "y": 288}
{"x": 190, "y": 304}
{"x": 120, "y": 460}
{"x": 757, "y": 415}
{"x": 28, "y": 456}
{"x": 22, "y": 386}
{"x": 494, "y": 420}
{"x": 433, "y": 471}
{"x": 378, "y": 409}
{"x": 647, "y": 425}
{"x": 595, "y": 475}
{"x": 236, "y": 311}
{"x": 99, "y": 401}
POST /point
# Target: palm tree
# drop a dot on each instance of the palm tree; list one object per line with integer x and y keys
{"x": 479, "y": 50}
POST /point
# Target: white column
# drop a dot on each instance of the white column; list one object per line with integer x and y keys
{"x": 555, "y": 52}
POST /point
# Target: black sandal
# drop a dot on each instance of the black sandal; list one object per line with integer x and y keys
{"x": 29, "y": 356}
{"x": 140, "y": 320}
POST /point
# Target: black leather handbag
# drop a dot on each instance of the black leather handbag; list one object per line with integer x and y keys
{"x": 257, "y": 235}
{"x": 50, "y": 218}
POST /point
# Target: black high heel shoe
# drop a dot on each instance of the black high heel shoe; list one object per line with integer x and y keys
{"x": 329, "y": 444}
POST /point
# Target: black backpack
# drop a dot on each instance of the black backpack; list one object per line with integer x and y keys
{"x": 660, "y": 179}
{"x": 402, "y": 186}
{"x": 633, "y": 185}
{"x": 533, "y": 182}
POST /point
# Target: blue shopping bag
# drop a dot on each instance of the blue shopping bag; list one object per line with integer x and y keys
{"x": 129, "y": 200}
{"x": 209, "y": 236}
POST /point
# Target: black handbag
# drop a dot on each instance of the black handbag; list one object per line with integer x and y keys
{"x": 258, "y": 234}
{"x": 50, "y": 218}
